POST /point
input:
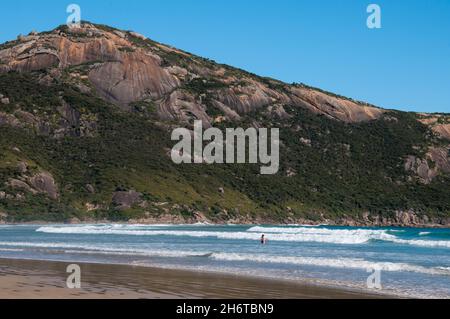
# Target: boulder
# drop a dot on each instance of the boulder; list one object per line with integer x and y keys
{"x": 439, "y": 158}
{"x": 3, "y": 217}
{"x": 90, "y": 188}
{"x": 443, "y": 130}
{"x": 125, "y": 200}
{"x": 138, "y": 35}
{"x": 44, "y": 183}
{"x": 18, "y": 184}
{"x": 22, "y": 167}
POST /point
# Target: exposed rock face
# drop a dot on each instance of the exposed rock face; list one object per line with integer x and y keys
{"x": 305, "y": 141}
{"x": 18, "y": 184}
{"x": 134, "y": 77}
{"x": 71, "y": 117}
{"x": 22, "y": 167}
{"x": 126, "y": 67}
{"x": 44, "y": 183}
{"x": 244, "y": 99}
{"x": 124, "y": 200}
{"x": 72, "y": 123}
{"x": 69, "y": 123}
{"x": 183, "y": 106}
{"x": 439, "y": 124}
{"x": 90, "y": 188}
{"x": 404, "y": 219}
{"x": 440, "y": 156}
{"x": 398, "y": 219}
{"x": 138, "y": 35}
{"x": 121, "y": 77}
{"x": 164, "y": 87}
{"x": 3, "y": 217}
{"x": 92, "y": 207}
{"x": 443, "y": 130}
{"x": 8, "y": 119}
{"x": 334, "y": 107}
{"x": 279, "y": 111}
{"x": 437, "y": 156}
{"x": 421, "y": 168}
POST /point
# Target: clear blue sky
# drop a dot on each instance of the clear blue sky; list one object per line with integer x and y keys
{"x": 323, "y": 43}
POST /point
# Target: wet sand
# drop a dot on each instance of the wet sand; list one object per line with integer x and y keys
{"x": 26, "y": 279}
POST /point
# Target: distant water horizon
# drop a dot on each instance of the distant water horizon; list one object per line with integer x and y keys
{"x": 413, "y": 262}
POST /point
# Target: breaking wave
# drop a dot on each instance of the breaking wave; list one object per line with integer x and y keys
{"x": 306, "y": 236}
{"x": 349, "y": 263}
{"x": 288, "y": 234}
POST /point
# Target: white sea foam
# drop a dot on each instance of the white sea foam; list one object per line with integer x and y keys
{"x": 11, "y": 249}
{"x": 289, "y": 234}
{"x": 39, "y": 245}
{"x": 140, "y": 252}
{"x": 355, "y": 237}
{"x": 102, "y": 249}
{"x": 330, "y": 262}
{"x": 350, "y": 263}
{"x": 202, "y": 224}
{"x": 424, "y": 233}
{"x": 359, "y": 235}
{"x": 306, "y": 225}
{"x": 319, "y": 231}
{"x": 423, "y": 243}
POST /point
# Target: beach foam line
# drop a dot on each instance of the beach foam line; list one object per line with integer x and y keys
{"x": 11, "y": 250}
{"x": 140, "y": 253}
{"x": 422, "y": 243}
{"x": 349, "y": 263}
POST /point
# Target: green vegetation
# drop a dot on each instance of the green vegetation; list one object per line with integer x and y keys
{"x": 129, "y": 153}
{"x": 126, "y": 49}
{"x": 203, "y": 86}
{"x": 303, "y": 85}
{"x": 146, "y": 107}
{"x": 343, "y": 169}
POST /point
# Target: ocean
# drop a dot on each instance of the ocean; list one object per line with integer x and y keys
{"x": 411, "y": 262}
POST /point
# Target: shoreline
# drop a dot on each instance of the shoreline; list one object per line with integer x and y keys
{"x": 38, "y": 279}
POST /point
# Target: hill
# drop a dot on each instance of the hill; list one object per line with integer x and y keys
{"x": 86, "y": 116}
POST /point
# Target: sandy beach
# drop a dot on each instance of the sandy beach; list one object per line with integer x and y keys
{"x": 47, "y": 280}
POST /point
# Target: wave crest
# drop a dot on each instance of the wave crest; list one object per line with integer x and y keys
{"x": 335, "y": 263}
{"x": 290, "y": 234}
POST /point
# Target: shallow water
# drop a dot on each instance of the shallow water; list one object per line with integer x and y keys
{"x": 412, "y": 262}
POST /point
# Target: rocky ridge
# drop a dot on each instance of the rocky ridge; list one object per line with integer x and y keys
{"x": 64, "y": 73}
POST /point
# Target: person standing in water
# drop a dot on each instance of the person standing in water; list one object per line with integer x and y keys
{"x": 263, "y": 240}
